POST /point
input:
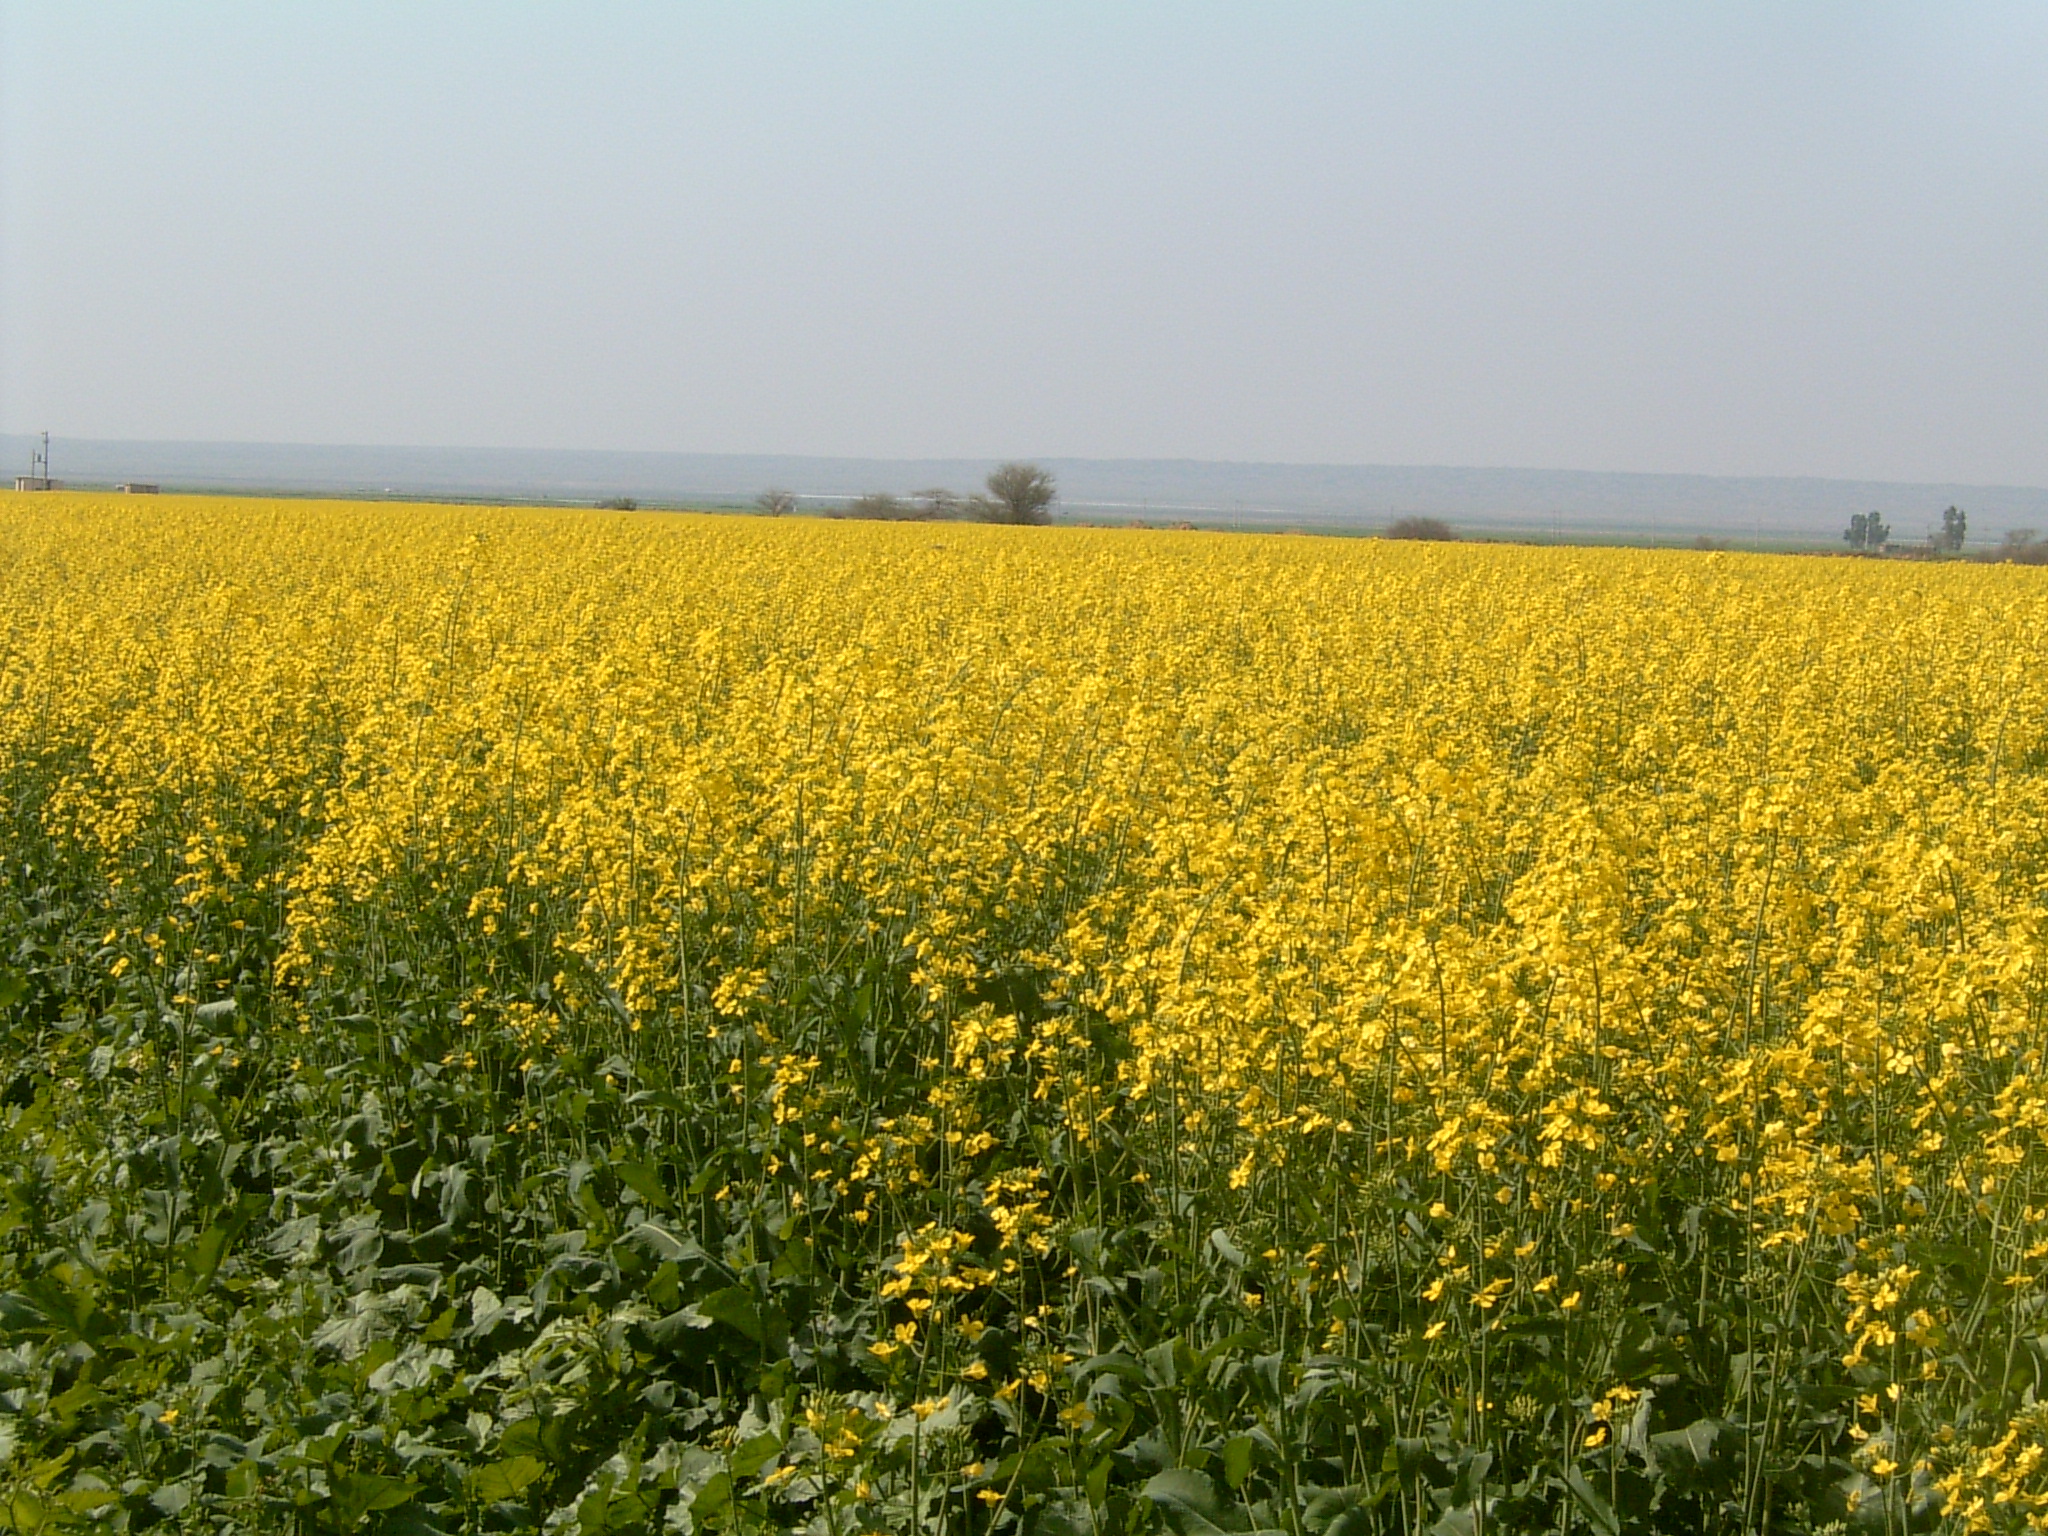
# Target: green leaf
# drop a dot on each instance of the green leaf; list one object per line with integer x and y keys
{"x": 1059, "y": 1516}
{"x": 1414, "y": 1458}
{"x": 13, "y": 987}
{"x": 1692, "y": 1446}
{"x": 1237, "y": 1460}
{"x": 456, "y": 1205}
{"x": 1187, "y": 1499}
{"x": 1327, "y": 1508}
{"x": 1113, "y": 1364}
{"x": 1164, "y": 1362}
{"x": 48, "y": 1305}
{"x": 1228, "y": 1344}
{"x": 713, "y": 1496}
{"x": 734, "y": 1306}
{"x": 545, "y": 1438}
{"x": 171, "y": 1498}
{"x": 86, "y": 1501}
{"x": 707, "y": 1176}
{"x": 1098, "y": 1481}
{"x": 505, "y": 1479}
{"x": 26, "y": 1512}
{"x": 201, "y": 1261}
{"x": 1598, "y": 1511}
{"x": 356, "y": 1494}
{"x": 1469, "y": 1487}
{"x": 661, "y": 1244}
{"x": 644, "y": 1181}
{"x": 755, "y": 1454}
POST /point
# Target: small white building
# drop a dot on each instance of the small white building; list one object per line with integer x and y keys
{"x": 137, "y": 488}
{"x": 37, "y": 483}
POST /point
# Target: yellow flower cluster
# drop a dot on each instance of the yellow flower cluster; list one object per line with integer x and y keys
{"x": 1582, "y": 905}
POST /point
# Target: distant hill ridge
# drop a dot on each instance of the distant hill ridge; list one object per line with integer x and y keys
{"x": 1160, "y": 490}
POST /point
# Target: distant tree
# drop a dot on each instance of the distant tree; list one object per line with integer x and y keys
{"x": 938, "y": 504}
{"x": 1955, "y": 523}
{"x": 619, "y": 504}
{"x": 2022, "y": 546}
{"x": 776, "y": 502}
{"x": 878, "y": 506}
{"x": 1017, "y": 493}
{"x": 1867, "y": 533}
{"x": 1433, "y": 529}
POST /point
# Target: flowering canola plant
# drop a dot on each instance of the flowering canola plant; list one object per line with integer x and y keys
{"x": 526, "y": 1016}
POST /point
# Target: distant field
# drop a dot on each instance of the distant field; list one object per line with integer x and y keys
{"x": 649, "y": 1022}
{"x": 1560, "y": 506}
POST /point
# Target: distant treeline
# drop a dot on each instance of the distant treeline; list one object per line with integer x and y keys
{"x": 1015, "y": 493}
{"x": 1869, "y": 534}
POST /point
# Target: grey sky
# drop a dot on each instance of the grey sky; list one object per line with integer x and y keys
{"x": 1724, "y": 239}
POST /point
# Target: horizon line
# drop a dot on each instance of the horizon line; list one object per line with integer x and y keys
{"x": 1071, "y": 458}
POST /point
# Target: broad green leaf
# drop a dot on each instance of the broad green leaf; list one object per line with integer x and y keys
{"x": 644, "y": 1180}
{"x": 1693, "y": 1445}
{"x": 1599, "y": 1513}
{"x": 1187, "y": 1499}
{"x": 26, "y": 1512}
{"x": 171, "y": 1498}
{"x": 713, "y": 1496}
{"x": 356, "y": 1494}
{"x": 734, "y": 1306}
{"x": 1098, "y": 1480}
{"x": 755, "y": 1454}
{"x": 1237, "y": 1460}
{"x": 660, "y": 1243}
{"x": 1163, "y": 1362}
{"x": 85, "y": 1501}
{"x": 505, "y": 1479}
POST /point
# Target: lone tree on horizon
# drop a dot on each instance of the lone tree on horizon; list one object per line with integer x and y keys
{"x": 1017, "y": 493}
{"x": 1867, "y": 533}
{"x": 1433, "y": 529}
{"x": 1955, "y": 524}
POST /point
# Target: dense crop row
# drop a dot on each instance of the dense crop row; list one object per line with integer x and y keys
{"x": 628, "y": 1023}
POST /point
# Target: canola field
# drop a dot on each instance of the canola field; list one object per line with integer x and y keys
{"x": 551, "y": 1020}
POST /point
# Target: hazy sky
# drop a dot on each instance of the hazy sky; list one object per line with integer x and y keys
{"x": 1724, "y": 238}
